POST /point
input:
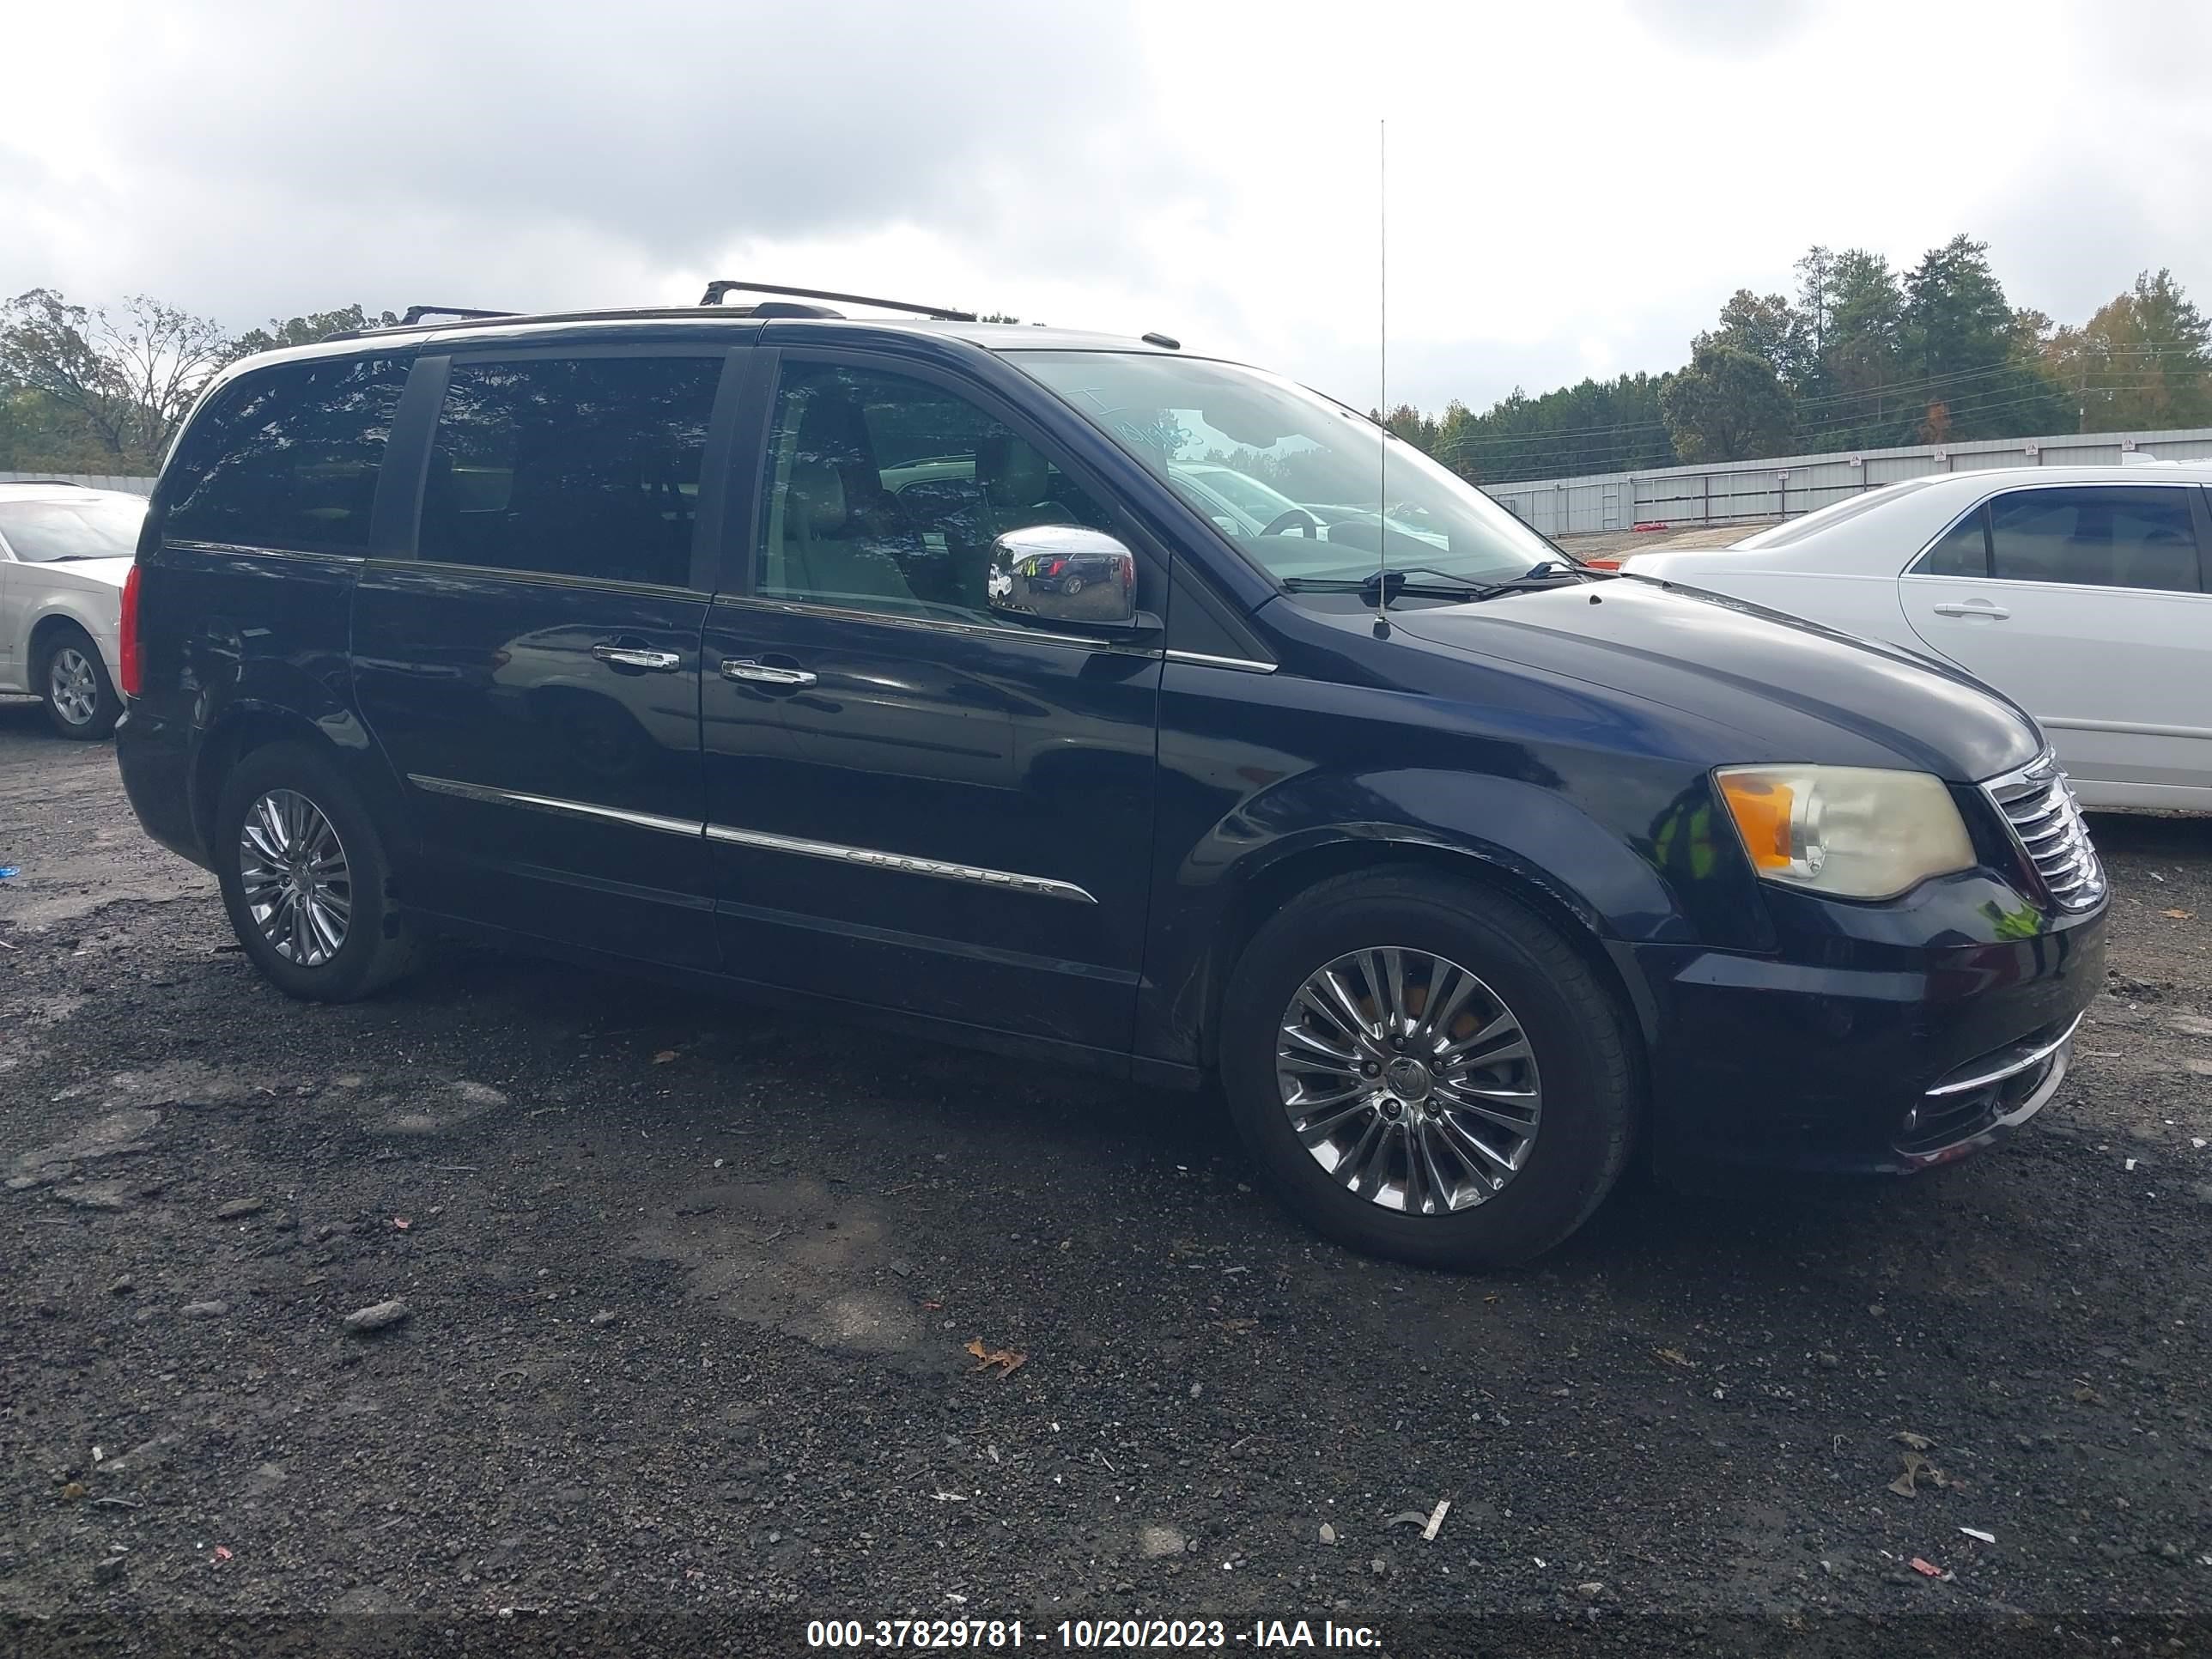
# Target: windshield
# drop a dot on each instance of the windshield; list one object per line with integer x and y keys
{"x": 1248, "y": 449}
{"x": 48, "y": 533}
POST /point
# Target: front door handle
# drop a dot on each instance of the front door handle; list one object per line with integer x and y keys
{"x": 632, "y": 656}
{"x": 1973, "y": 608}
{"x": 761, "y": 673}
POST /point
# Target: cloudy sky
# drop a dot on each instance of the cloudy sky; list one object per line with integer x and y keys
{"x": 1573, "y": 188}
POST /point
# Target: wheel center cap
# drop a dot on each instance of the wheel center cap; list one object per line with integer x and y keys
{"x": 1408, "y": 1078}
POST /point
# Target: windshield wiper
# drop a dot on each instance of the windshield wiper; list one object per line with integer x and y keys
{"x": 1387, "y": 585}
{"x": 1368, "y": 587}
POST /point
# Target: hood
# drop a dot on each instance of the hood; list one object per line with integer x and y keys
{"x": 1778, "y": 679}
{"x": 108, "y": 573}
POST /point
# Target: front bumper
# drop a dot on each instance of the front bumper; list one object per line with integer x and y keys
{"x": 1869, "y": 1059}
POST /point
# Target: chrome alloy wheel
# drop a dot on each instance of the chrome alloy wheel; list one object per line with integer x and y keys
{"x": 292, "y": 869}
{"x": 1408, "y": 1080}
{"x": 72, "y": 686}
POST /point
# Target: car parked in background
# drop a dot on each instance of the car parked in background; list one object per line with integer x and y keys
{"x": 2082, "y": 592}
{"x": 1240, "y": 503}
{"x": 64, "y": 552}
{"x": 744, "y": 648}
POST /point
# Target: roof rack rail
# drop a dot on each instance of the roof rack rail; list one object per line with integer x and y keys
{"x": 717, "y": 290}
{"x": 71, "y": 482}
{"x": 417, "y": 313}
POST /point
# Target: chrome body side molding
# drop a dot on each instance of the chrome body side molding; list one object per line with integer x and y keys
{"x": 869, "y": 858}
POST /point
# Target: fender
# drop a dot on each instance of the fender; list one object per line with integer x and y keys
{"x": 87, "y": 611}
{"x": 1518, "y": 834}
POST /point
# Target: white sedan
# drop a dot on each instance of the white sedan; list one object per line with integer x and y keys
{"x": 64, "y": 552}
{"x": 2082, "y": 592}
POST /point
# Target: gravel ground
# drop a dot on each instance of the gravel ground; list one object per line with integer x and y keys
{"x": 690, "y": 1289}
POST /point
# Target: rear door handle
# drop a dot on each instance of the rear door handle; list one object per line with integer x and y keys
{"x": 1973, "y": 608}
{"x": 761, "y": 673}
{"x": 632, "y": 656}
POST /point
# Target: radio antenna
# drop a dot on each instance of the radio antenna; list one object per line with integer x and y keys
{"x": 1382, "y": 375}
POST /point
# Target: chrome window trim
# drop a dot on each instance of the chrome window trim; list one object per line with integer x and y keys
{"x": 1201, "y": 659}
{"x": 576, "y": 808}
{"x": 870, "y": 858}
{"x": 867, "y": 858}
{"x": 935, "y": 624}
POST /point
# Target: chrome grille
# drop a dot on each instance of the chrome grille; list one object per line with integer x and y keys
{"x": 2046, "y": 821}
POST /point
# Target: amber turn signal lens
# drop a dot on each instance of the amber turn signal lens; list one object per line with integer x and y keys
{"x": 1761, "y": 808}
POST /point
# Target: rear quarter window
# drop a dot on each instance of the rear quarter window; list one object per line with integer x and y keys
{"x": 287, "y": 457}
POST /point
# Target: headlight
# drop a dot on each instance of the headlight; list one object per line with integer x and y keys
{"x": 1854, "y": 831}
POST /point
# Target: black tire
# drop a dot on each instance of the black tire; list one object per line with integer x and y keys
{"x": 107, "y": 702}
{"x": 376, "y": 947}
{"x": 1583, "y": 1046}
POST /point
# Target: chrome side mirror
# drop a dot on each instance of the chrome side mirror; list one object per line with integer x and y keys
{"x": 1063, "y": 573}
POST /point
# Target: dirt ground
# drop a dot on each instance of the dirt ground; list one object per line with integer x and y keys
{"x": 689, "y": 1288}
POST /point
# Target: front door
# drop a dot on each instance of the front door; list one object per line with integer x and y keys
{"x": 915, "y": 801}
{"x": 533, "y": 675}
{"x": 2085, "y": 605}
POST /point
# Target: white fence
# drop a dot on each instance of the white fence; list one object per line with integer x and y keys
{"x": 91, "y": 481}
{"x": 1745, "y": 492}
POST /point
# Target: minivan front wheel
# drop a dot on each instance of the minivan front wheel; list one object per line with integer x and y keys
{"x": 305, "y": 879}
{"x": 1426, "y": 1070}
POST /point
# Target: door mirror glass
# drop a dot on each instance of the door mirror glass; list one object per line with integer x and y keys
{"x": 1063, "y": 573}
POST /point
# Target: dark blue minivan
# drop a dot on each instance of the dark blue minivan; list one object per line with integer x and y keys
{"x": 916, "y": 669}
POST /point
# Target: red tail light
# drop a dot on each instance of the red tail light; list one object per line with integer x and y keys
{"x": 134, "y": 675}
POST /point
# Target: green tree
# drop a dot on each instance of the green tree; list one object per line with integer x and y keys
{"x": 37, "y": 434}
{"x": 1728, "y": 405}
{"x": 124, "y": 379}
{"x": 1959, "y": 345}
{"x": 315, "y": 326}
{"x": 1598, "y": 426}
{"x": 1845, "y": 399}
{"x": 1770, "y": 328}
{"x": 2141, "y": 362}
{"x": 1409, "y": 423}
{"x": 1816, "y": 274}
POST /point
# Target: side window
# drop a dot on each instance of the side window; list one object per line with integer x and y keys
{"x": 572, "y": 467}
{"x": 2102, "y": 535}
{"x": 287, "y": 457}
{"x": 885, "y": 493}
{"x": 1962, "y": 551}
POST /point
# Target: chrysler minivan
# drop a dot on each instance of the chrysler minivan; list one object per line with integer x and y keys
{"x": 712, "y": 643}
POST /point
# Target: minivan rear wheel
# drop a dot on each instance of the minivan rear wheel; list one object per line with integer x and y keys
{"x": 1424, "y": 1069}
{"x": 305, "y": 879}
